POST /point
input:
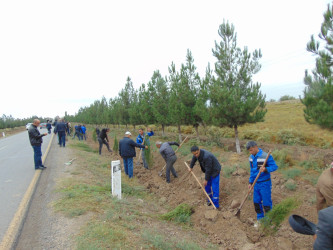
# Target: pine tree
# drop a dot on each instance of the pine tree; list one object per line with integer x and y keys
{"x": 115, "y": 144}
{"x": 160, "y": 99}
{"x": 318, "y": 93}
{"x": 234, "y": 98}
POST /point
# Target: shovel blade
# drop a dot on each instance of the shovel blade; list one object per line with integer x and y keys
{"x": 237, "y": 214}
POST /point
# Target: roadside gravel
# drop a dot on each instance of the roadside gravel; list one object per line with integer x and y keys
{"x": 44, "y": 228}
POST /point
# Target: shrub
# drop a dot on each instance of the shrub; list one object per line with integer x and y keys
{"x": 291, "y": 173}
{"x": 273, "y": 219}
{"x": 290, "y": 137}
{"x": 94, "y": 135}
{"x": 286, "y": 98}
{"x": 181, "y": 214}
{"x": 290, "y": 186}
{"x": 115, "y": 144}
{"x": 282, "y": 158}
{"x": 228, "y": 170}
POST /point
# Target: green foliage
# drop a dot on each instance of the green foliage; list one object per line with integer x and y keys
{"x": 7, "y": 121}
{"x": 147, "y": 152}
{"x": 286, "y": 98}
{"x": 136, "y": 191}
{"x": 94, "y": 135}
{"x": 273, "y": 219}
{"x": 310, "y": 164}
{"x": 318, "y": 93}
{"x": 291, "y": 186}
{"x": 181, "y": 214}
{"x": 234, "y": 98}
{"x": 282, "y": 158}
{"x": 291, "y": 137}
{"x": 82, "y": 146}
{"x": 115, "y": 144}
{"x": 228, "y": 170}
{"x": 291, "y": 173}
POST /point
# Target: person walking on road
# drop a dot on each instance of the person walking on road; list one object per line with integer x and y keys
{"x": 169, "y": 156}
{"x": 60, "y": 129}
{"x": 143, "y": 138}
{"x": 49, "y": 126}
{"x": 212, "y": 168}
{"x": 103, "y": 139}
{"x": 36, "y": 141}
{"x": 127, "y": 152}
{"x": 324, "y": 190}
{"x": 262, "y": 191}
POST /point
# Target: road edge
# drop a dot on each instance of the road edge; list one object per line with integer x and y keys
{"x": 12, "y": 233}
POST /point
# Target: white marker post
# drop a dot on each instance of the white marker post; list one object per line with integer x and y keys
{"x": 3, "y": 134}
{"x": 116, "y": 179}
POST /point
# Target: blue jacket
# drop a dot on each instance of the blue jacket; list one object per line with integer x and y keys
{"x": 208, "y": 163}
{"x": 139, "y": 139}
{"x": 83, "y": 129}
{"x": 256, "y": 161}
{"x": 127, "y": 147}
{"x": 324, "y": 230}
{"x": 48, "y": 125}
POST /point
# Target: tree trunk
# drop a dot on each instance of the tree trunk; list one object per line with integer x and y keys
{"x": 163, "y": 134}
{"x": 237, "y": 140}
{"x": 180, "y": 134}
{"x": 134, "y": 126}
{"x": 197, "y": 130}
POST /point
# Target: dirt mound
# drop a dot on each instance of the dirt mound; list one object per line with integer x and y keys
{"x": 222, "y": 227}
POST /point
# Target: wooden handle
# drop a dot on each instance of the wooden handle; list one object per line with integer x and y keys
{"x": 200, "y": 185}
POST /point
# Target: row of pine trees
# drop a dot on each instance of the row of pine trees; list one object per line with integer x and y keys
{"x": 224, "y": 96}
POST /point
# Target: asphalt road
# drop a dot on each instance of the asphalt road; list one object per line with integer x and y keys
{"x": 16, "y": 172}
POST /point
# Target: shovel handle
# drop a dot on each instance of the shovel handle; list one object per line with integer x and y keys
{"x": 176, "y": 151}
{"x": 200, "y": 185}
{"x": 241, "y": 205}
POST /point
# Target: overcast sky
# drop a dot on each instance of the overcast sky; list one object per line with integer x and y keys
{"x": 58, "y": 56}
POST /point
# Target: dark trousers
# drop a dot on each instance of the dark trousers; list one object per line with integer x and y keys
{"x": 101, "y": 142}
{"x": 62, "y": 138}
{"x": 37, "y": 156}
{"x": 169, "y": 167}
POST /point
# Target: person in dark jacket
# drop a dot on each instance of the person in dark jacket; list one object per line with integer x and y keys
{"x": 103, "y": 139}
{"x": 262, "y": 191}
{"x": 60, "y": 129}
{"x": 127, "y": 152}
{"x": 49, "y": 126}
{"x": 212, "y": 168}
{"x": 36, "y": 141}
{"x": 169, "y": 156}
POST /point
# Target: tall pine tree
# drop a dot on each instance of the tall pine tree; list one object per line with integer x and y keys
{"x": 234, "y": 98}
{"x": 318, "y": 93}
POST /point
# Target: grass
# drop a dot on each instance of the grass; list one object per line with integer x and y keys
{"x": 181, "y": 214}
{"x": 273, "y": 219}
{"x": 83, "y": 146}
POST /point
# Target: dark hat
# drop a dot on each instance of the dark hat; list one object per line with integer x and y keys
{"x": 302, "y": 225}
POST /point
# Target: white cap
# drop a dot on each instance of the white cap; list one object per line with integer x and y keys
{"x": 128, "y": 133}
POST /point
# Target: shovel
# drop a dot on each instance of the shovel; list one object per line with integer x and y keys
{"x": 241, "y": 205}
{"x": 161, "y": 172}
{"x": 211, "y": 202}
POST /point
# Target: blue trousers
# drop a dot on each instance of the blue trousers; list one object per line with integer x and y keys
{"x": 262, "y": 198}
{"x": 128, "y": 166}
{"x": 37, "y": 156}
{"x": 213, "y": 189}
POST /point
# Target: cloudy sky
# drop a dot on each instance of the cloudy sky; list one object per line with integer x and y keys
{"x": 58, "y": 56}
